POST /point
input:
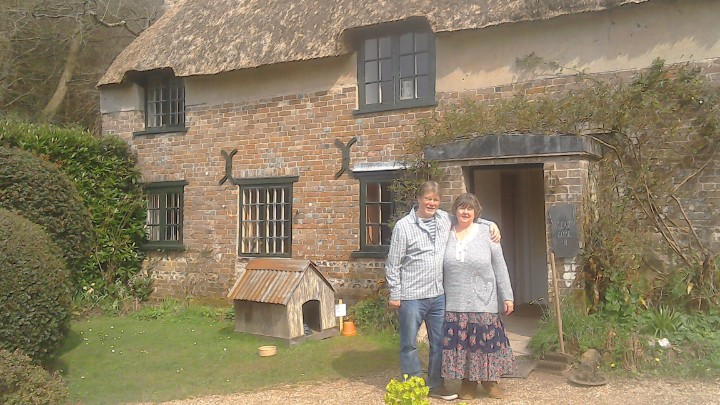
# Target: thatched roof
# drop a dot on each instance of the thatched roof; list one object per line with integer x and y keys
{"x": 201, "y": 37}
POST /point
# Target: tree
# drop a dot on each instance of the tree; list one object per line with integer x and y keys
{"x": 52, "y": 53}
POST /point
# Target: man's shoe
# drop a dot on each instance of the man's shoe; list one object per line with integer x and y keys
{"x": 467, "y": 389}
{"x": 493, "y": 389}
{"x": 442, "y": 393}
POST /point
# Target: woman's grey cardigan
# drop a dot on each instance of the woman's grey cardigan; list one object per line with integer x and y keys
{"x": 474, "y": 272}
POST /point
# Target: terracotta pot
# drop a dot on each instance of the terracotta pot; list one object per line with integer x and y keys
{"x": 349, "y": 328}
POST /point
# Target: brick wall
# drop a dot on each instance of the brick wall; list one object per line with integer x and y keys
{"x": 294, "y": 135}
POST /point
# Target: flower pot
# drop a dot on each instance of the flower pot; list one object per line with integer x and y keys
{"x": 349, "y": 328}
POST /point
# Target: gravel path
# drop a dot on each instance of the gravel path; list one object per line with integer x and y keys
{"x": 538, "y": 388}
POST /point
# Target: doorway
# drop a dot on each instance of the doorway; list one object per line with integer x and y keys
{"x": 311, "y": 317}
{"x": 513, "y": 196}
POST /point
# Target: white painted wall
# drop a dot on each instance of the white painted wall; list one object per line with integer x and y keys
{"x": 626, "y": 38}
{"x": 630, "y": 37}
{"x": 121, "y": 97}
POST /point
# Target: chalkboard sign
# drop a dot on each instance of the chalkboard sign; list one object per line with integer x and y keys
{"x": 564, "y": 231}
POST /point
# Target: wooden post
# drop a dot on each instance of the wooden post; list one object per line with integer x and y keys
{"x": 556, "y": 291}
{"x": 340, "y": 322}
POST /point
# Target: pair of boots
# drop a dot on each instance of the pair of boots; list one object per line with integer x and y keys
{"x": 492, "y": 388}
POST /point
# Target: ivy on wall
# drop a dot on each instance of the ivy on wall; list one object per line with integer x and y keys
{"x": 645, "y": 245}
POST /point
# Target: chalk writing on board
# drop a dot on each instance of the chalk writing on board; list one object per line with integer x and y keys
{"x": 565, "y": 241}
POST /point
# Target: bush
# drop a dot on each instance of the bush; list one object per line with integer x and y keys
{"x": 24, "y": 383}
{"x": 373, "y": 315}
{"x": 38, "y": 191}
{"x": 34, "y": 294}
{"x": 105, "y": 174}
{"x": 691, "y": 346}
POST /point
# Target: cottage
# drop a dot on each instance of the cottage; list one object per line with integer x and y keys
{"x": 283, "y": 298}
{"x": 271, "y": 129}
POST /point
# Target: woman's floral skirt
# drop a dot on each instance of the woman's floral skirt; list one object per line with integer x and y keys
{"x": 475, "y": 347}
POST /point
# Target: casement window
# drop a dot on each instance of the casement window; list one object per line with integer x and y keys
{"x": 396, "y": 69}
{"x": 164, "y": 102}
{"x": 164, "y": 221}
{"x": 266, "y": 217}
{"x": 377, "y": 206}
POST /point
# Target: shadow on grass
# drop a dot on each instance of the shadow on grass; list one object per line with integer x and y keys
{"x": 362, "y": 364}
{"x": 72, "y": 340}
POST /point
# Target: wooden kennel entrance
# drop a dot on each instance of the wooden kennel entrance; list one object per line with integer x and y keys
{"x": 284, "y": 298}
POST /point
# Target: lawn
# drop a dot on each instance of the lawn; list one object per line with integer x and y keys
{"x": 195, "y": 352}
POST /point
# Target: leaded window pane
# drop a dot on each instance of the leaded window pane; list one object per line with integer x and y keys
{"x": 377, "y": 205}
{"x": 371, "y": 72}
{"x": 396, "y": 69}
{"x": 421, "y": 42}
{"x": 371, "y": 49}
{"x": 164, "y": 215}
{"x": 422, "y": 64}
{"x": 165, "y": 101}
{"x": 387, "y": 91}
{"x": 372, "y": 93}
{"x": 385, "y": 47}
{"x": 386, "y": 70}
{"x": 406, "y": 43}
{"x": 407, "y": 89}
{"x": 265, "y": 220}
{"x": 152, "y": 223}
{"x": 423, "y": 87}
{"x": 407, "y": 66}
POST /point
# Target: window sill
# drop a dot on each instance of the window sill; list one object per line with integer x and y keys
{"x": 263, "y": 255}
{"x": 150, "y": 247}
{"x": 372, "y": 255}
{"x": 373, "y": 108}
{"x": 161, "y": 130}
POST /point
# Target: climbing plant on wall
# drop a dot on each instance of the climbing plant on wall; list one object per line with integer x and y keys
{"x": 645, "y": 242}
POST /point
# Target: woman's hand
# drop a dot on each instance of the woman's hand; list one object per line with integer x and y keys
{"x": 509, "y": 307}
{"x": 394, "y": 303}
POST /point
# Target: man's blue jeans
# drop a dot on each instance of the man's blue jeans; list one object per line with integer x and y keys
{"x": 411, "y": 314}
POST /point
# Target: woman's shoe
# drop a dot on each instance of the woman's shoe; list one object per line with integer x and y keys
{"x": 493, "y": 389}
{"x": 467, "y": 389}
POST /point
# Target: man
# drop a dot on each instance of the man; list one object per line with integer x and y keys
{"x": 415, "y": 279}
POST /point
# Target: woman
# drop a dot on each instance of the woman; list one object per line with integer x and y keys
{"x": 475, "y": 347}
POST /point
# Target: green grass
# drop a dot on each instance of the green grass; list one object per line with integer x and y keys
{"x": 112, "y": 360}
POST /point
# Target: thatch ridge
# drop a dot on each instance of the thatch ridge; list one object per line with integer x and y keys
{"x": 200, "y": 37}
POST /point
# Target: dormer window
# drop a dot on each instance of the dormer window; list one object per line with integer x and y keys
{"x": 396, "y": 69}
{"x": 164, "y": 102}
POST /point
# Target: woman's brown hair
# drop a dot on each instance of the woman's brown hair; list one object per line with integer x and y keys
{"x": 467, "y": 200}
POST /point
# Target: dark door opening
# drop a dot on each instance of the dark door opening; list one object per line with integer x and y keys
{"x": 311, "y": 317}
{"x": 514, "y": 197}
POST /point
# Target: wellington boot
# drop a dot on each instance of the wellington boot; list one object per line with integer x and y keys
{"x": 468, "y": 389}
{"x": 493, "y": 390}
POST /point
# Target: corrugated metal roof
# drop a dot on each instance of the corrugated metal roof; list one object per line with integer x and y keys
{"x": 271, "y": 281}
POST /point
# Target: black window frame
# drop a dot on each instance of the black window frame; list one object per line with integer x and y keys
{"x": 264, "y": 184}
{"x": 387, "y": 177}
{"x": 395, "y": 32}
{"x": 163, "y": 189}
{"x": 170, "y": 85}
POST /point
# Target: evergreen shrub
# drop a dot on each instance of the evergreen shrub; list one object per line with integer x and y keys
{"x": 107, "y": 179}
{"x": 23, "y": 383}
{"x": 34, "y": 295}
{"x": 38, "y": 191}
